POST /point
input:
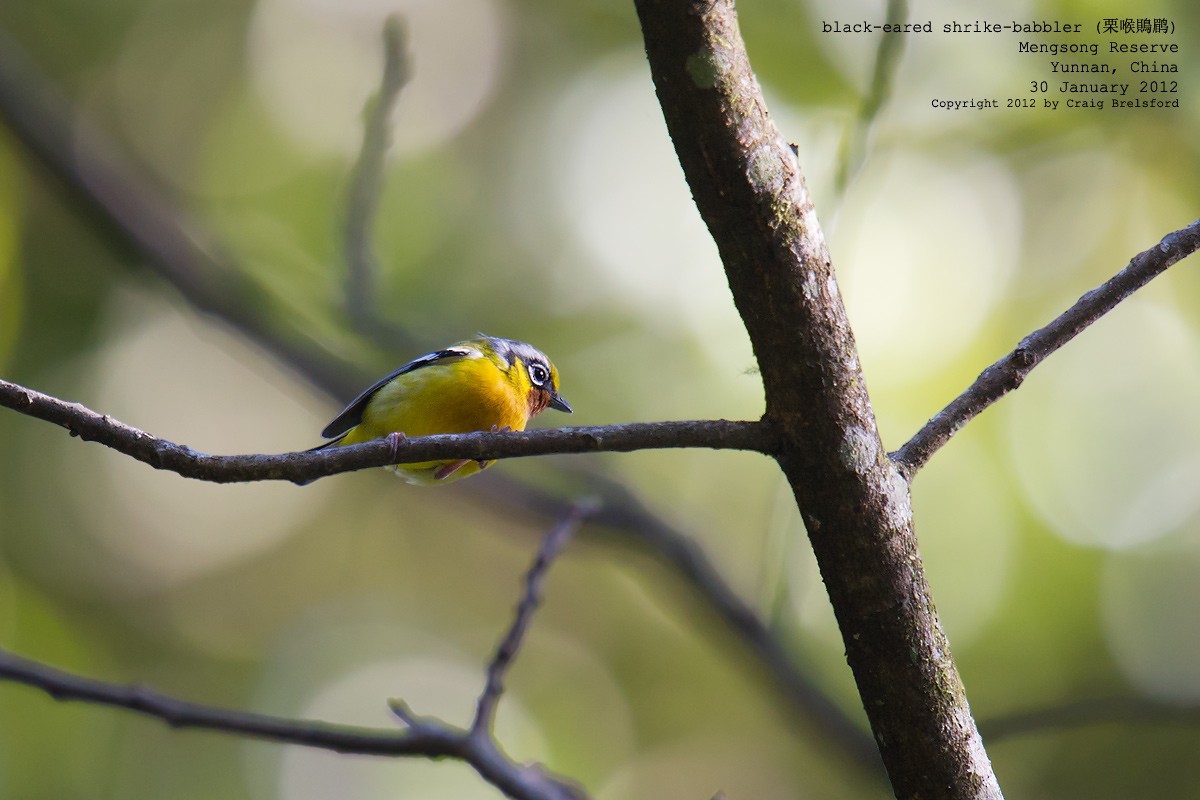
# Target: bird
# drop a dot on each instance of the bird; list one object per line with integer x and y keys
{"x": 481, "y": 384}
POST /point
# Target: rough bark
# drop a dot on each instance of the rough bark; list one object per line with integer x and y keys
{"x": 749, "y": 189}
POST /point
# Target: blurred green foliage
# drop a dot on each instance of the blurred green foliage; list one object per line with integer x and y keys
{"x": 534, "y": 194}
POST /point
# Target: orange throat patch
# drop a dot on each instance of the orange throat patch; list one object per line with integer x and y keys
{"x": 538, "y": 400}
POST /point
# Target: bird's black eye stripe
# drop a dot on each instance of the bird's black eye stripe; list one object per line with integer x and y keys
{"x": 538, "y": 374}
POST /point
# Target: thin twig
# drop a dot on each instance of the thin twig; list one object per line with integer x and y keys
{"x": 1009, "y": 372}
{"x": 67, "y": 686}
{"x": 428, "y": 738}
{"x": 624, "y": 520}
{"x": 307, "y": 466}
{"x": 531, "y": 598}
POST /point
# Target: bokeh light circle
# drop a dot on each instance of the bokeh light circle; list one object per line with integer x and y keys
{"x": 916, "y": 288}
{"x": 1105, "y": 438}
{"x": 1149, "y": 598}
{"x": 166, "y": 374}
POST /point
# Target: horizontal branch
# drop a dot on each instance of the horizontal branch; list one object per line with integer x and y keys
{"x": 423, "y": 737}
{"x": 1009, "y": 372}
{"x": 306, "y": 466}
{"x": 63, "y": 685}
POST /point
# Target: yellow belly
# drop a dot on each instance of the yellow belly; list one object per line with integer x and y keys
{"x": 457, "y": 397}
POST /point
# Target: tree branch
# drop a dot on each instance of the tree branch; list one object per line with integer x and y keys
{"x": 425, "y": 736}
{"x": 751, "y": 194}
{"x": 67, "y": 686}
{"x": 1010, "y": 372}
{"x": 306, "y": 466}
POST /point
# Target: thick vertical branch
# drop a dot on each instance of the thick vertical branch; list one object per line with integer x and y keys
{"x": 749, "y": 190}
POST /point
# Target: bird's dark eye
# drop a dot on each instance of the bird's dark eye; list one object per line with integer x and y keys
{"x": 538, "y": 374}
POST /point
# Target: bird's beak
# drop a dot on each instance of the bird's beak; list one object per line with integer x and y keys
{"x": 560, "y": 404}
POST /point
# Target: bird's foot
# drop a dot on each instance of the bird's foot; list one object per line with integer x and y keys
{"x": 393, "y": 440}
{"x": 495, "y": 429}
{"x": 446, "y": 470}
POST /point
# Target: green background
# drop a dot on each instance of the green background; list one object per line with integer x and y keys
{"x": 533, "y": 193}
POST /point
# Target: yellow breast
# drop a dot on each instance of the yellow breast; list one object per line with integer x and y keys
{"x": 471, "y": 394}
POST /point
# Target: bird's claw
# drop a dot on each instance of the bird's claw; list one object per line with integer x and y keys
{"x": 483, "y": 463}
{"x": 393, "y": 440}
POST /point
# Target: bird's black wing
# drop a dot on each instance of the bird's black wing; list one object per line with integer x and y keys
{"x": 352, "y": 414}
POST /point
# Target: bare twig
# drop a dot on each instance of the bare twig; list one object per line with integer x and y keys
{"x": 1009, "y": 372}
{"x": 426, "y": 738}
{"x": 621, "y": 512}
{"x": 531, "y": 598}
{"x": 63, "y": 685}
{"x": 622, "y": 519}
{"x": 307, "y": 466}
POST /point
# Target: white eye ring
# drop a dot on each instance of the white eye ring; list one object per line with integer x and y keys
{"x": 538, "y": 374}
